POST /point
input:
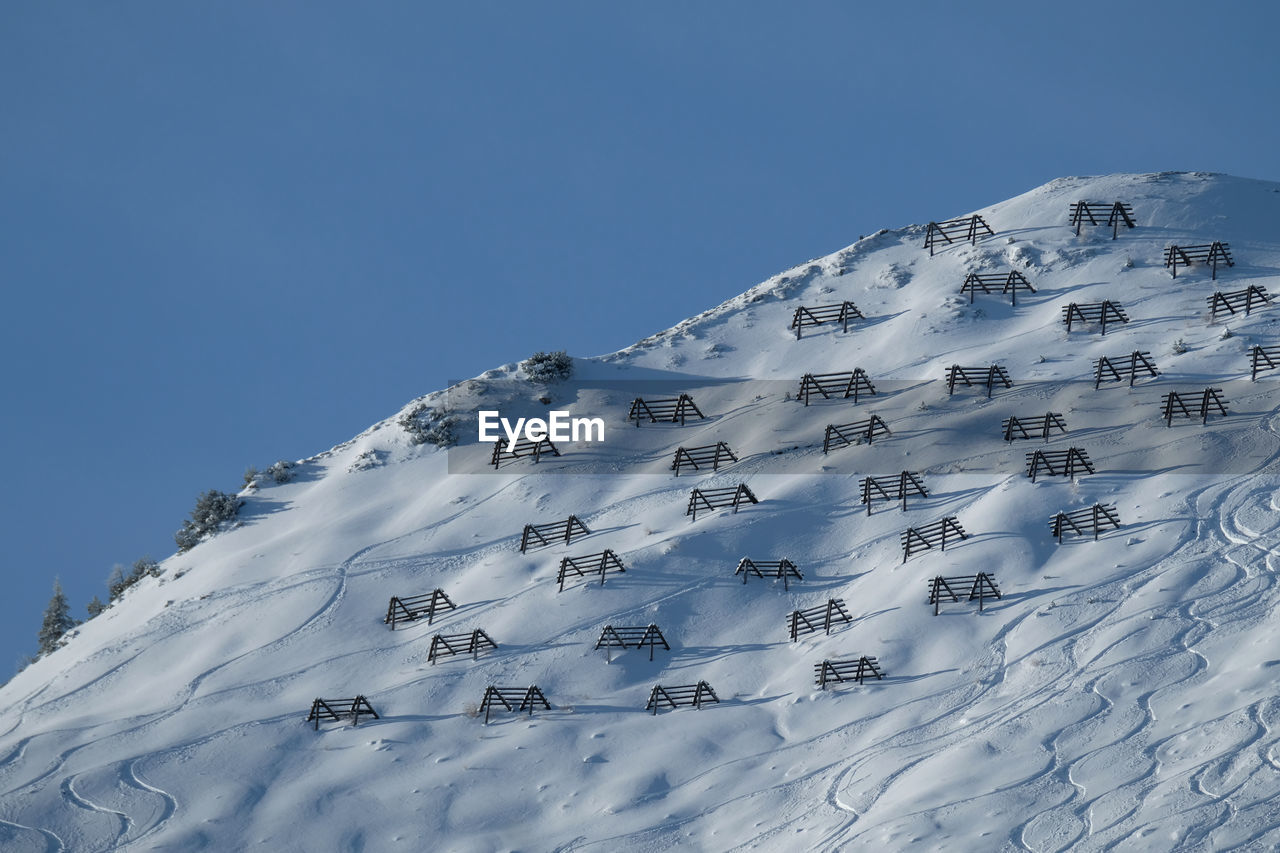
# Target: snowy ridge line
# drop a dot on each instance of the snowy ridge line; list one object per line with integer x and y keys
{"x": 1120, "y": 693}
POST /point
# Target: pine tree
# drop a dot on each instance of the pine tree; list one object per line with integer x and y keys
{"x": 57, "y": 620}
{"x": 212, "y": 509}
{"x": 94, "y": 607}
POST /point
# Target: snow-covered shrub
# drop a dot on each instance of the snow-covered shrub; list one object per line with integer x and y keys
{"x": 1179, "y": 346}
{"x": 368, "y": 459}
{"x": 548, "y": 366}
{"x": 281, "y": 472}
{"x": 144, "y": 567}
{"x": 116, "y": 584}
{"x": 119, "y": 582}
{"x": 186, "y": 538}
{"x": 426, "y": 425}
{"x": 211, "y": 510}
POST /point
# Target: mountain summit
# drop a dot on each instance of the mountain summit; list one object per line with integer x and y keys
{"x": 1118, "y": 691}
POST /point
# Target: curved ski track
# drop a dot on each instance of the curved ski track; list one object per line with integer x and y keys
{"x": 1075, "y": 807}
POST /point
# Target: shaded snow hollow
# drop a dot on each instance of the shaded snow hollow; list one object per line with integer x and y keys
{"x": 1122, "y": 691}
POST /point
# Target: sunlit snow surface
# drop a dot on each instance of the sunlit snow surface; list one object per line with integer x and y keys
{"x": 1122, "y": 693}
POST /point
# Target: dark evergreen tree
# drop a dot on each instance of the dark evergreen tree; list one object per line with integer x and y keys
{"x": 94, "y": 607}
{"x": 212, "y": 508}
{"x": 57, "y": 620}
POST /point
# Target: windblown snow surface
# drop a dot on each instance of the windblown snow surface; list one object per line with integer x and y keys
{"x": 1122, "y": 693}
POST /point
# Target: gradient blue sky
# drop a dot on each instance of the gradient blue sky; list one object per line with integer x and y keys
{"x": 238, "y": 232}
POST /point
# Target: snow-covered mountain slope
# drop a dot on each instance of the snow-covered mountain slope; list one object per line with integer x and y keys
{"x": 1120, "y": 693}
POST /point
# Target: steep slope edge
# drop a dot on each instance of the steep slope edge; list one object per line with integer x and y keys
{"x": 1119, "y": 689}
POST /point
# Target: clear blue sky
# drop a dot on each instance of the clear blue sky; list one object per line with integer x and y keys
{"x": 240, "y": 232}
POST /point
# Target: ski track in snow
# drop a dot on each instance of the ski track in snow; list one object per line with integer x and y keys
{"x": 129, "y": 774}
{"x": 69, "y": 794}
{"x": 47, "y": 840}
{"x": 1068, "y": 822}
{"x": 1044, "y": 830}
